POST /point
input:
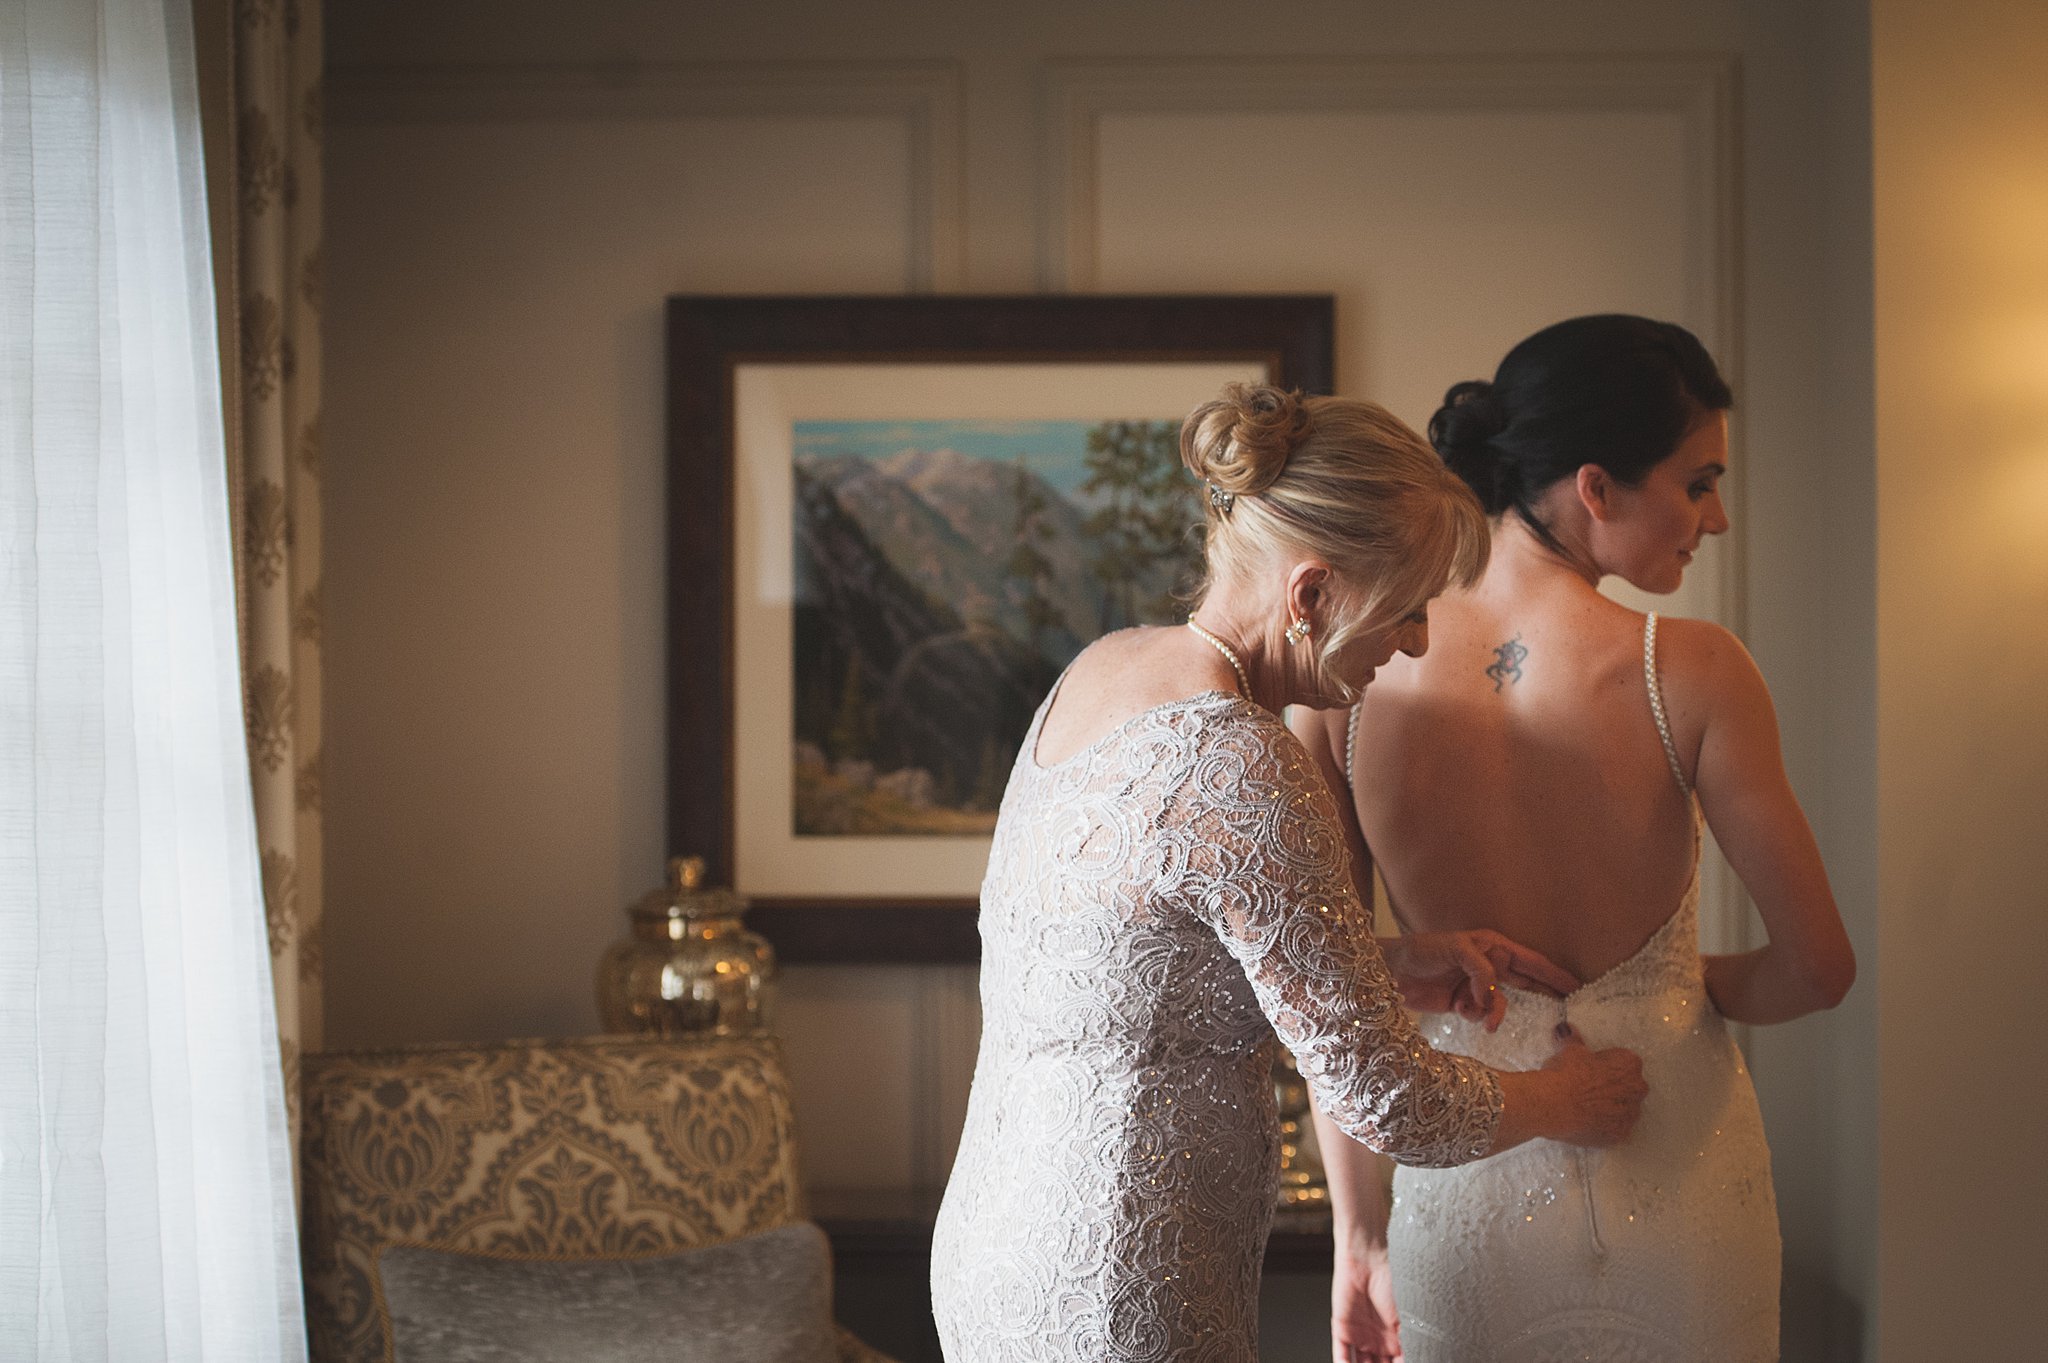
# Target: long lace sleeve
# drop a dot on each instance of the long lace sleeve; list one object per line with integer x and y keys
{"x": 1269, "y": 873}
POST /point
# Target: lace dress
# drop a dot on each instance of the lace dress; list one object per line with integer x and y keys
{"x": 1662, "y": 1249}
{"x": 1150, "y": 904}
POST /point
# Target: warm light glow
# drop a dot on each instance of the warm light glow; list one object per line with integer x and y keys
{"x": 2011, "y": 356}
{"x": 1984, "y": 389}
{"x": 1994, "y": 290}
{"x": 2016, "y": 512}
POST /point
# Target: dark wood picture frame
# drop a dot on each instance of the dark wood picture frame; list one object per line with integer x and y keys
{"x": 708, "y": 336}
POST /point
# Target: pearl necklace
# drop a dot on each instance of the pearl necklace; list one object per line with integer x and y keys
{"x": 1244, "y": 683}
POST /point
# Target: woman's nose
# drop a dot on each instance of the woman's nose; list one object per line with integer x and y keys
{"x": 1417, "y": 642}
{"x": 1717, "y": 516}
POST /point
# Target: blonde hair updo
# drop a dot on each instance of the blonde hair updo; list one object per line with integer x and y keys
{"x": 1344, "y": 480}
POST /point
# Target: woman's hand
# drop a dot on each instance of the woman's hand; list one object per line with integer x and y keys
{"x": 1602, "y": 1093}
{"x": 1364, "y": 1327}
{"x": 1581, "y": 1097}
{"x": 1465, "y": 972}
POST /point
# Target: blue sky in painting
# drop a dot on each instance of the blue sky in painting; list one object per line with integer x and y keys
{"x": 1054, "y": 450}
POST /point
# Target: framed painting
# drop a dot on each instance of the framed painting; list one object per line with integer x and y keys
{"x": 892, "y": 522}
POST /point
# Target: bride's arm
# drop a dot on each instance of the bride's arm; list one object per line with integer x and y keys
{"x": 1365, "y": 1327}
{"x": 1748, "y": 802}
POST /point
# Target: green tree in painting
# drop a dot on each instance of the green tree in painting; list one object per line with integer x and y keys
{"x": 1142, "y": 522}
{"x": 853, "y": 730}
{"x": 1027, "y": 565}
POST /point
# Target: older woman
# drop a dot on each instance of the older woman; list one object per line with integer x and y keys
{"x": 1169, "y": 887}
{"x": 1544, "y": 772}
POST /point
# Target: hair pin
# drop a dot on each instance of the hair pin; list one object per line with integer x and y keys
{"x": 1220, "y": 499}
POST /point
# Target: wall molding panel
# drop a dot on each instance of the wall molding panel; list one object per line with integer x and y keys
{"x": 1077, "y": 95}
{"x": 925, "y": 96}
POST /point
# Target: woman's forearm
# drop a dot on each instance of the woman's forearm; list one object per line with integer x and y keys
{"x": 1771, "y": 985}
{"x": 1529, "y": 1108}
{"x": 1358, "y": 1186}
{"x": 1534, "y": 1104}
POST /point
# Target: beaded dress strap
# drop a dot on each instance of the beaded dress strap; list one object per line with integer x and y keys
{"x": 1657, "y": 701}
{"x": 1351, "y": 748}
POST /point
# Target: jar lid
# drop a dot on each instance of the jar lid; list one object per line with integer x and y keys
{"x": 686, "y": 895}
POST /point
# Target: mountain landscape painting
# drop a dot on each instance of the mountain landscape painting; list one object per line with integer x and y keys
{"x": 945, "y": 572}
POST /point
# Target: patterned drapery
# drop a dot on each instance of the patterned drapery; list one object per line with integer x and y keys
{"x": 274, "y": 443}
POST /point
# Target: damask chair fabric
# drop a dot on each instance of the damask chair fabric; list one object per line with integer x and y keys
{"x": 603, "y": 1148}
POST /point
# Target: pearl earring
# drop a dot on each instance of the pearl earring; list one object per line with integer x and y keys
{"x": 1297, "y": 631}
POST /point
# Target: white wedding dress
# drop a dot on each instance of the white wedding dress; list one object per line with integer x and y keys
{"x": 1150, "y": 904}
{"x": 1660, "y": 1250}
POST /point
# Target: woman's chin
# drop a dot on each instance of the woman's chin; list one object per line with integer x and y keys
{"x": 1660, "y": 583}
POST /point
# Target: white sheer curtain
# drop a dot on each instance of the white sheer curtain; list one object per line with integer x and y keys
{"x": 145, "y": 1188}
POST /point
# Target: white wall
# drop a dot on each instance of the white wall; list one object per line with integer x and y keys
{"x": 500, "y": 240}
{"x": 1961, "y": 138}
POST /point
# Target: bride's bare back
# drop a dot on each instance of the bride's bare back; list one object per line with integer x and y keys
{"x": 1512, "y": 778}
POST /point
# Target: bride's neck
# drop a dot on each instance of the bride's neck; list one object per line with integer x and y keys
{"x": 1523, "y": 555}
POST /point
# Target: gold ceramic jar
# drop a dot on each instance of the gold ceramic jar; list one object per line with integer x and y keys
{"x": 689, "y": 967}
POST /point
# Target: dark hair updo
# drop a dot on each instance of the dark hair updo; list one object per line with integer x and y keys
{"x": 1614, "y": 390}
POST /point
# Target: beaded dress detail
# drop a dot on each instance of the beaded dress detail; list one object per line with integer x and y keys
{"x": 1156, "y": 907}
{"x": 1663, "y": 1249}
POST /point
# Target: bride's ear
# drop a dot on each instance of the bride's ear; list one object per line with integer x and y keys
{"x": 1595, "y": 487}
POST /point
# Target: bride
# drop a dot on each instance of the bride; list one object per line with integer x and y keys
{"x": 1542, "y": 771}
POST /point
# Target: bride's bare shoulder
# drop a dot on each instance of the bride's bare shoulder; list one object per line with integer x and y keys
{"x": 1704, "y": 668}
{"x": 1698, "y": 648}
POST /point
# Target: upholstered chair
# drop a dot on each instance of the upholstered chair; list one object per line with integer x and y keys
{"x": 600, "y": 1149}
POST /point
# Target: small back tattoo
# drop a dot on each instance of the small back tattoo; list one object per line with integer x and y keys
{"x": 1507, "y": 663}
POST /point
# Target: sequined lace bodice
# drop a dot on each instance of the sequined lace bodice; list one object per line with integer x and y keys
{"x": 1156, "y": 908}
